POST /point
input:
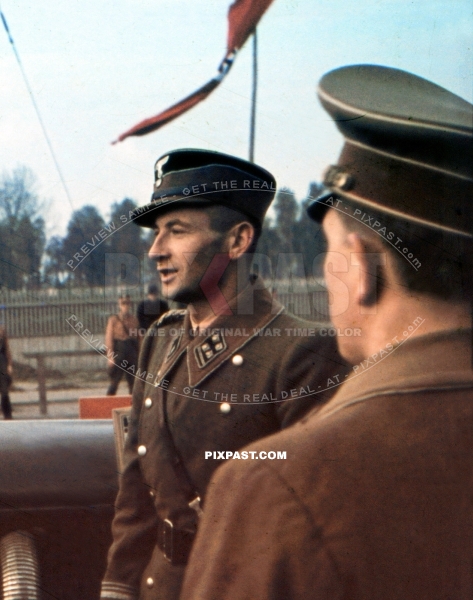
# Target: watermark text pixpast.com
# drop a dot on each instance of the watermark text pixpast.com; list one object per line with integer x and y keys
{"x": 245, "y": 455}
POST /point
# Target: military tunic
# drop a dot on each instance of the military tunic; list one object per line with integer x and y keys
{"x": 246, "y": 378}
{"x": 374, "y": 501}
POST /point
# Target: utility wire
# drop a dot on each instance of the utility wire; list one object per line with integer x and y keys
{"x": 30, "y": 92}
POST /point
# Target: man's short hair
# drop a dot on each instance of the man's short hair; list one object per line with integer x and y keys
{"x": 222, "y": 219}
{"x": 440, "y": 263}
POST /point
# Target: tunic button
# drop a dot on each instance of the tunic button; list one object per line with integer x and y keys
{"x": 148, "y": 402}
{"x": 225, "y": 408}
{"x": 142, "y": 450}
{"x": 150, "y": 582}
{"x": 237, "y": 360}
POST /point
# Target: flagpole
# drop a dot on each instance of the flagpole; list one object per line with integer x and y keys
{"x": 253, "y": 98}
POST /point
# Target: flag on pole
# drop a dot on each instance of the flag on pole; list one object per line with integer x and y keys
{"x": 243, "y": 16}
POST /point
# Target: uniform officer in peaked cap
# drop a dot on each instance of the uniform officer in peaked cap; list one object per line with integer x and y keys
{"x": 211, "y": 378}
{"x": 374, "y": 500}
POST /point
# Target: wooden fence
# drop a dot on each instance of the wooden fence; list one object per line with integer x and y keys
{"x": 30, "y": 315}
{"x": 44, "y": 320}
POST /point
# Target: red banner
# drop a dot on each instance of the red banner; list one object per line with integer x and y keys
{"x": 243, "y": 16}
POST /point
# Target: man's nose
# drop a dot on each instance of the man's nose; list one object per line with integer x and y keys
{"x": 158, "y": 250}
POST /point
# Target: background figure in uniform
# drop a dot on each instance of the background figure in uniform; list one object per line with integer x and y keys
{"x": 151, "y": 309}
{"x": 374, "y": 501}
{"x": 212, "y": 377}
{"x": 122, "y": 337}
{"x": 6, "y": 370}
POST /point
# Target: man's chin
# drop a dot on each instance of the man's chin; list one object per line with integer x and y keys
{"x": 176, "y": 294}
{"x": 168, "y": 292}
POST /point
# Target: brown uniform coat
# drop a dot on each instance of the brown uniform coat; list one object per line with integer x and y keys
{"x": 195, "y": 374}
{"x": 375, "y": 499}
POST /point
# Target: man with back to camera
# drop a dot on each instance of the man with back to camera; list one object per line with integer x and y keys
{"x": 375, "y": 498}
{"x": 212, "y": 378}
{"x": 150, "y": 309}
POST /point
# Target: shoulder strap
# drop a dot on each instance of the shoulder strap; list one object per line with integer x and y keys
{"x": 171, "y": 316}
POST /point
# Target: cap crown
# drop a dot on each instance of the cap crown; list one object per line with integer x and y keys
{"x": 199, "y": 178}
{"x": 401, "y": 113}
{"x": 409, "y": 145}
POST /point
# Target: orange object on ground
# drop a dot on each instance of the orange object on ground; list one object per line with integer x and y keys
{"x": 100, "y": 407}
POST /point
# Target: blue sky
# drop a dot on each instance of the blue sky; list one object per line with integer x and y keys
{"x": 98, "y": 67}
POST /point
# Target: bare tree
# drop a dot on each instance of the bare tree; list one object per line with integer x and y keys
{"x": 22, "y": 237}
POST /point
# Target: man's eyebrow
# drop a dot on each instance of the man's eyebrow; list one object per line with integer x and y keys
{"x": 171, "y": 223}
{"x": 177, "y": 221}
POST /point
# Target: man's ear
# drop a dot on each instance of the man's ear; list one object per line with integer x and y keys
{"x": 371, "y": 261}
{"x": 240, "y": 238}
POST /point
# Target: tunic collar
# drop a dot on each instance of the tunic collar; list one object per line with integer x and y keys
{"x": 253, "y": 310}
{"x": 439, "y": 360}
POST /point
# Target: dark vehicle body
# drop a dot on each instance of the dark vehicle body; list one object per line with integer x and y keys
{"x": 58, "y": 482}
